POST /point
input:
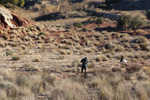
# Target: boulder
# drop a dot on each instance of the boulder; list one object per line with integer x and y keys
{"x": 11, "y": 20}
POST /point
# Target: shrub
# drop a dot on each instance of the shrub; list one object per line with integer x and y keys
{"x": 140, "y": 39}
{"x": 99, "y": 21}
{"x": 119, "y": 48}
{"x": 68, "y": 90}
{"x": 36, "y": 60}
{"x": 49, "y": 79}
{"x": 77, "y": 24}
{"x": 101, "y": 58}
{"x": 15, "y": 58}
{"x": 136, "y": 23}
{"x": 143, "y": 46}
{"x": 22, "y": 80}
{"x": 4, "y": 37}
{"x": 92, "y": 19}
{"x": 62, "y": 52}
{"x": 9, "y": 52}
{"x": 124, "y": 21}
{"x": 110, "y": 46}
{"x": 84, "y": 29}
{"x": 95, "y": 83}
{"x": 116, "y": 69}
{"x": 133, "y": 68}
{"x": 11, "y": 89}
{"x": 41, "y": 34}
{"x": 148, "y": 14}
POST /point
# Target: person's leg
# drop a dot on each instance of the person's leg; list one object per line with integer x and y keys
{"x": 85, "y": 69}
{"x": 82, "y": 70}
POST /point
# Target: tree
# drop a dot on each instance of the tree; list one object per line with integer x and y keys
{"x": 99, "y": 21}
{"x": 136, "y": 23}
{"x": 123, "y": 21}
{"x": 21, "y": 3}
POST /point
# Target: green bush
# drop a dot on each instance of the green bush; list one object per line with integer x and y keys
{"x": 77, "y": 24}
{"x": 136, "y": 23}
{"x": 99, "y": 21}
{"x": 41, "y": 34}
{"x": 124, "y": 21}
{"x": 84, "y": 29}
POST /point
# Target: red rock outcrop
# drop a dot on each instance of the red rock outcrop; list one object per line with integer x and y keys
{"x": 11, "y": 20}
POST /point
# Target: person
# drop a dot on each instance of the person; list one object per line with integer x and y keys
{"x": 122, "y": 59}
{"x": 84, "y": 62}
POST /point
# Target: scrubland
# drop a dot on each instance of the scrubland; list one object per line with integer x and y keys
{"x": 42, "y": 61}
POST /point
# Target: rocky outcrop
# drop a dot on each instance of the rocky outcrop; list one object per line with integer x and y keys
{"x": 10, "y": 20}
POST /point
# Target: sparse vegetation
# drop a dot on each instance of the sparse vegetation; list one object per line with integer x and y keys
{"x": 99, "y": 21}
{"x": 78, "y": 24}
{"x": 124, "y": 21}
{"x": 43, "y": 62}
{"x": 15, "y": 58}
{"x": 136, "y": 23}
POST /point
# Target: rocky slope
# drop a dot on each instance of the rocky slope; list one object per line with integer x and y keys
{"x": 11, "y": 20}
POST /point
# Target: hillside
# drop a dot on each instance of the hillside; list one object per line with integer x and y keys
{"x": 41, "y": 60}
{"x": 132, "y": 5}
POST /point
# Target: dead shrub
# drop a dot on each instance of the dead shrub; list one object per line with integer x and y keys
{"x": 116, "y": 69}
{"x": 8, "y": 52}
{"x": 15, "y": 58}
{"x": 62, "y": 52}
{"x": 88, "y": 50}
{"x": 110, "y": 46}
{"x": 36, "y": 60}
{"x": 135, "y": 46}
{"x": 68, "y": 90}
{"x": 140, "y": 39}
{"x": 11, "y": 89}
{"x": 140, "y": 92}
{"x": 119, "y": 48}
{"x": 22, "y": 80}
{"x": 133, "y": 68}
{"x": 95, "y": 83}
{"x": 101, "y": 58}
{"x": 91, "y": 65}
{"x": 143, "y": 46}
{"x": 76, "y": 63}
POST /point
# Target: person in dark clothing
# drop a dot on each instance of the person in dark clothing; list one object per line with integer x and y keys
{"x": 121, "y": 58}
{"x": 84, "y": 62}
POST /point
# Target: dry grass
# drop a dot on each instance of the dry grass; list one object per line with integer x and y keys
{"x": 52, "y": 68}
{"x": 69, "y": 90}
